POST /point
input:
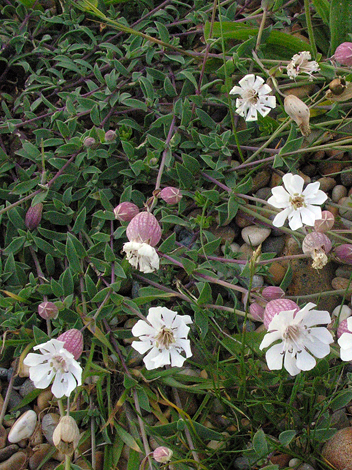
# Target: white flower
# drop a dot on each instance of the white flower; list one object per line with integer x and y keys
{"x": 298, "y": 339}
{"x": 345, "y": 342}
{"x": 165, "y": 334}
{"x": 54, "y": 362}
{"x": 300, "y": 207}
{"x": 141, "y": 256}
{"x": 254, "y": 97}
{"x": 301, "y": 63}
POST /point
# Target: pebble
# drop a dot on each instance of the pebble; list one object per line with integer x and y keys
{"x": 339, "y": 283}
{"x": 44, "y": 399}
{"x": 346, "y": 210}
{"x": 330, "y": 168}
{"x": 39, "y": 453}
{"x": 260, "y": 180}
{"x": 24, "y": 427}
{"x": 49, "y": 423}
{"x": 339, "y": 420}
{"x": 346, "y": 177}
{"x": 305, "y": 466}
{"x": 3, "y": 437}
{"x": 16, "y": 461}
{"x": 254, "y": 235}
{"x": 26, "y": 388}
{"x": 246, "y": 251}
{"x": 263, "y": 193}
{"x": 8, "y": 451}
{"x": 277, "y": 273}
{"x": 242, "y": 221}
{"x": 338, "y": 192}
{"x": 344, "y": 271}
{"x": 338, "y": 450}
{"x": 15, "y": 400}
{"x": 226, "y": 234}
{"x": 273, "y": 245}
{"x": 346, "y": 223}
{"x": 327, "y": 183}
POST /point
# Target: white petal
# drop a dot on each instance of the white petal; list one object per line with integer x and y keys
{"x": 311, "y": 189}
{"x": 148, "y": 359}
{"x": 176, "y": 359}
{"x": 142, "y": 346}
{"x": 345, "y": 341}
{"x": 346, "y": 354}
{"x": 259, "y": 83}
{"x": 185, "y": 344}
{"x": 281, "y": 217}
{"x": 252, "y": 114}
{"x": 305, "y": 361}
{"x": 280, "y": 198}
{"x": 322, "y": 334}
{"x": 349, "y": 323}
{"x": 162, "y": 359}
{"x": 33, "y": 359}
{"x": 293, "y": 183}
{"x": 263, "y": 110}
{"x": 247, "y": 81}
{"x": 274, "y": 357}
{"x": 264, "y": 90}
{"x": 269, "y": 338}
{"x": 319, "y": 198}
{"x": 318, "y": 348}
{"x": 295, "y": 221}
{"x": 308, "y": 217}
{"x": 142, "y": 328}
{"x": 154, "y": 317}
{"x": 236, "y": 90}
{"x": 58, "y": 388}
{"x": 290, "y": 364}
{"x": 168, "y": 316}
{"x": 316, "y": 317}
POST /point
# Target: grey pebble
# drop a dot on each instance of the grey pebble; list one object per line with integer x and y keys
{"x": 6, "y": 452}
{"x": 273, "y": 245}
{"x": 263, "y": 193}
{"x": 344, "y": 271}
{"x": 338, "y": 192}
{"x": 346, "y": 177}
{"x": 26, "y": 388}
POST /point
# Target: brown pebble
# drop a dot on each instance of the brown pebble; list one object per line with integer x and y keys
{"x": 336, "y": 154}
{"x": 330, "y": 168}
{"x": 306, "y": 178}
{"x": 260, "y": 180}
{"x": 326, "y": 183}
{"x": 339, "y": 283}
{"x": 16, "y": 461}
{"x": 51, "y": 465}
{"x": 8, "y": 451}
{"x": 39, "y": 453}
{"x": 44, "y": 399}
{"x": 277, "y": 272}
{"x": 3, "y": 437}
{"x": 334, "y": 210}
{"x": 226, "y": 234}
{"x": 281, "y": 460}
{"x": 242, "y": 222}
{"x": 338, "y": 192}
{"x": 338, "y": 450}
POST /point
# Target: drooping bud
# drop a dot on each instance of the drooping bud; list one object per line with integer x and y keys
{"x": 66, "y": 435}
{"x": 73, "y": 340}
{"x": 125, "y": 211}
{"x": 144, "y": 228}
{"x": 344, "y": 253}
{"x": 317, "y": 245}
{"x": 89, "y": 142}
{"x": 325, "y": 223}
{"x": 110, "y": 136}
{"x": 162, "y": 454}
{"x": 34, "y": 216}
{"x": 48, "y": 310}
{"x": 299, "y": 112}
{"x": 257, "y": 311}
{"x": 276, "y": 306}
{"x": 170, "y": 195}
{"x": 343, "y": 54}
{"x": 272, "y": 293}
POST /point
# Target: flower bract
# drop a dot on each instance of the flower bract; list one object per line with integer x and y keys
{"x": 299, "y": 340}
{"x": 345, "y": 342}
{"x": 164, "y": 335}
{"x": 301, "y": 63}
{"x": 54, "y": 363}
{"x": 299, "y": 206}
{"x": 142, "y": 256}
{"x": 254, "y": 97}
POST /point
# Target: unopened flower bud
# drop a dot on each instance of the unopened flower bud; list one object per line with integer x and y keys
{"x": 276, "y": 306}
{"x": 144, "y": 228}
{"x": 125, "y": 211}
{"x": 325, "y": 223}
{"x": 343, "y": 328}
{"x": 170, "y": 195}
{"x": 162, "y": 454}
{"x": 73, "y": 340}
{"x": 343, "y": 54}
{"x": 344, "y": 253}
{"x": 299, "y": 112}
{"x": 34, "y": 216}
{"x": 89, "y": 142}
{"x": 272, "y": 293}
{"x": 337, "y": 86}
{"x": 110, "y": 136}
{"x": 66, "y": 435}
{"x": 257, "y": 311}
{"x": 48, "y": 310}
{"x": 317, "y": 245}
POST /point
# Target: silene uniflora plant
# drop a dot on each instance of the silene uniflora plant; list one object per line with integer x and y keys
{"x": 176, "y": 245}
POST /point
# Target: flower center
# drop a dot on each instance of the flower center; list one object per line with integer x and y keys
{"x": 251, "y": 96}
{"x": 292, "y": 333}
{"x": 297, "y": 202}
{"x": 164, "y": 338}
{"x": 58, "y": 363}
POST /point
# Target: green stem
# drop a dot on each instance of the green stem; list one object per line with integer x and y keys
{"x": 310, "y": 29}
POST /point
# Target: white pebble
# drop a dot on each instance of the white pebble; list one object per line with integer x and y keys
{"x": 338, "y": 192}
{"x": 254, "y": 235}
{"x": 23, "y": 427}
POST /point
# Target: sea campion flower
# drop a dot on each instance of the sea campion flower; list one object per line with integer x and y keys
{"x": 254, "y": 97}
{"x": 300, "y": 207}
{"x": 165, "y": 335}
{"x": 54, "y": 363}
{"x": 301, "y": 63}
{"x": 143, "y": 232}
{"x": 298, "y": 339}
{"x": 345, "y": 339}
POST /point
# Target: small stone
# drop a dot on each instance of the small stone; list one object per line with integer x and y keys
{"x": 346, "y": 210}
{"x": 254, "y": 235}
{"x": 277, "y": 273}
{"x": 8, "y": 451}
{"x": 39, "y": 453}
{"x": 263, "y": 193}
{"x": 338, "y": 192}
{"x": 305, "y": 466}
{"x": 49, "y": 423}
{"x": 338, "y": 450}
{"x": 344, "y": 271}
{"x": 309, "y": 169}
{"x": 246, "y": 251}
{"x": 226, "y": 234}
{"x": 24, "y": 427}
{"x": 242, "y": 221}
{"x": 16, "y": 461}
{"x": 3, "y": 437}
{"x": 273, "y": 245}
{"x": 26, "y": 388}
{"x": 340, "y": 283}
{"x": 339, "y": 420}
{"x": 326, "y": 183}
{"x": 260, "y": 180}
{"x": 346, "y": 177}
{"x": 44, "y": 399}
{"x": 346, "y": 223}
{"x": 330, "y": 167}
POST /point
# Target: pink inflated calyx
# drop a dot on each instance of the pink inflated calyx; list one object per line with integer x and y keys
{"x": 34, "y": 216}
{"x": 48, "y": 310}
{"x": 144, "y": 228}
{"x": 170, "y": 195}
{"x": 276, "y": 306}
{"x": 257, "y": 311}
{"x": 125, "y": 211}
{"x": 343, "y": 54}
{"x": 73, "y": 340}
{"x": 272, "y": 293}
{"x": 343, "y": 328}
{"x": 344, "y": 253}
{"x": 325, "y": 223}
{"x": 316, "y": 241}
